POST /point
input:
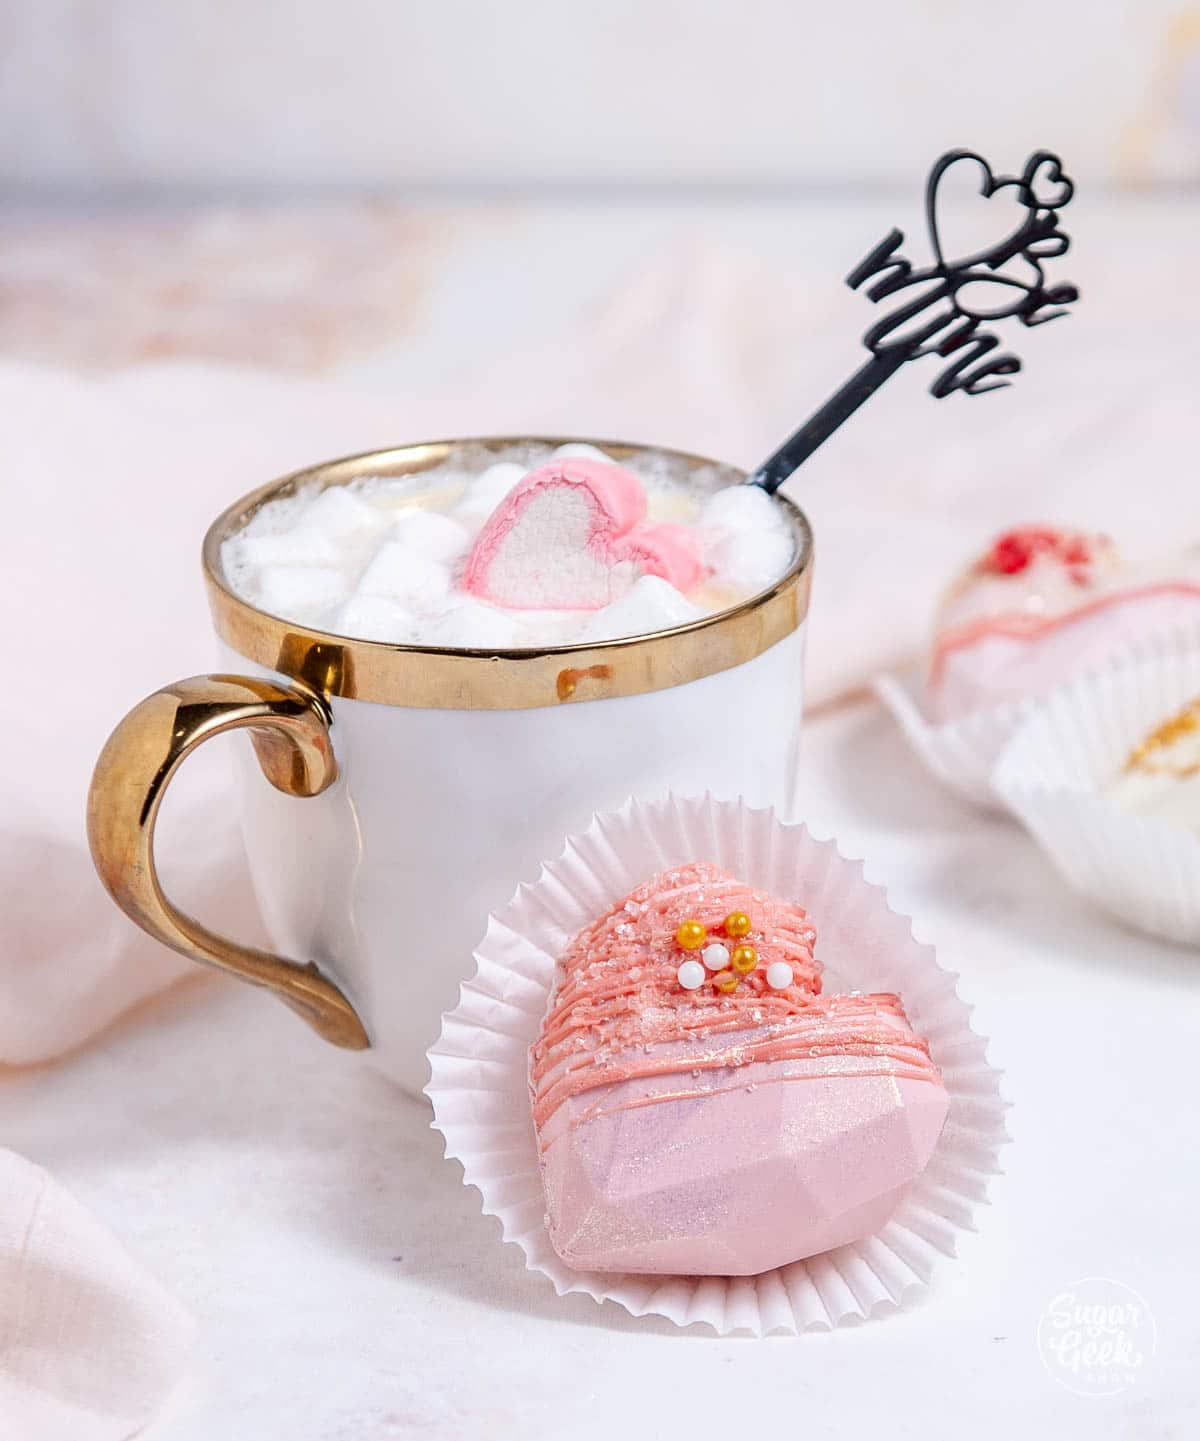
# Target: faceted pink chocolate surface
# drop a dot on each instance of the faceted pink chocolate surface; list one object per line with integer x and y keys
{"x": 752, "y": 1172}
{"x": 749, "y": 1128}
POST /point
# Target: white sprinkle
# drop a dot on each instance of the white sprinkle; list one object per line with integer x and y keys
{"x": 716, "y": 956}
{"x": 690, "y": 975}
{"x": 779, "y": 975}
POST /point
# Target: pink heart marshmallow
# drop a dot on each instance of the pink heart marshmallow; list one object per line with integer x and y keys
{"x": 569, "y": 537}
{"x": 666, "y": 550}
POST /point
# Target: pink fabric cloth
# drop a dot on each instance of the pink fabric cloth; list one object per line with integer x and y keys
{"x": 90, "y": 1345}
{"x": 108, "y": 487}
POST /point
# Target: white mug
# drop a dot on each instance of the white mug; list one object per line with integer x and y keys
{"x": 413, "y": 787}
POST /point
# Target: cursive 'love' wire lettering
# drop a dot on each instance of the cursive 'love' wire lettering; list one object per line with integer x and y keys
{"x": 958, "y": 294}
{"x": 944, "y": 308}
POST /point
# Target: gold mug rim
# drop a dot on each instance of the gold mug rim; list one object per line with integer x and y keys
{"x": 466, "y": 678}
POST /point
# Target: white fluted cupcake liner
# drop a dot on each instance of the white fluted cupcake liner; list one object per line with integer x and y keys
{"x": 480, "y": 1091}
{"x": 962, "y": 754}
{"x": 1053, "y": 773}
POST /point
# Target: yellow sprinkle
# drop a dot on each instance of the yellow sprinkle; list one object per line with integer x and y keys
{"x": 691, "y": 935}
{"x": 744, "y": 959}
{"x": 737, "y": 924}
{"x": 726, "y": 981}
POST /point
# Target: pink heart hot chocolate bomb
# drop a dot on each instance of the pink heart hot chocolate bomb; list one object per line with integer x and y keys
{"x": 569, "y": 536}
{"x": 701, "y": 1109}
{"x": 1041, "y": 605}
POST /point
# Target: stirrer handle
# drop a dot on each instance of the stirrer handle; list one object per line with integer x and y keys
{"x": 817, "y": 429}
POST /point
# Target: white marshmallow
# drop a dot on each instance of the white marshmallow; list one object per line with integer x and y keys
{"x": 486, "y": 492}
{"x": 375, "y": 617}
{"x": 338, "y": 512}
{"x": 473, "y": 625}
{"x": 402, "y": 573}
{"x": 289, "y": 547}
{"x": 742, "y": 507}
{"x": 650, "y": 604}
{"x": 751, "y": 560}
{"x": 301, "y": 592}
{"x": 438, "y": 536}
{"x": 577, "y": 450}
{"x": 549, "y": 627}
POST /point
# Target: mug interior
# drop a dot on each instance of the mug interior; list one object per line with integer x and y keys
{"x": 347, "y": 665}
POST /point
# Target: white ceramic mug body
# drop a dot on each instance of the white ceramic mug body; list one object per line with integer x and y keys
{"x": 397, "y": 793}
{"x": 386, "y": 879}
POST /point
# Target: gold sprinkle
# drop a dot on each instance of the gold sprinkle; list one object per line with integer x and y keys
{"x": 691, "y": 935}
{"x": 1186, "y": 723}
{"x": 737, "y": 924}
{"x": 744, "y": 959}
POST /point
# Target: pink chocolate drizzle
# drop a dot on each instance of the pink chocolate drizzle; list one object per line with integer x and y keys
{"x": 619, "y": 1012}
{"x": 1031, "y": 626}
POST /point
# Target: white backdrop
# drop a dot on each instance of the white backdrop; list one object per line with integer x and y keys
{"x": 134, "y": 94}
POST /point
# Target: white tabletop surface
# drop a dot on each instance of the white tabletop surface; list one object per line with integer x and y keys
{"x": 347, "y": 1286}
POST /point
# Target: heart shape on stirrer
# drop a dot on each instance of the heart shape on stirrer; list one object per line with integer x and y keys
{"x": 953, "y": 297}
{"x": 942, "y": 218}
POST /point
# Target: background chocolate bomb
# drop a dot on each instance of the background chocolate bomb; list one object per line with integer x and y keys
{"x": 1042, "y": 605}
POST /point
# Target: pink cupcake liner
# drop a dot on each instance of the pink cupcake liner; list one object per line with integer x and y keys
{"x": 479, "y": 1085}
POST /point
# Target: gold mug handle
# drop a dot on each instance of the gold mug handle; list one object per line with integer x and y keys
{"x": 289, "y": 727}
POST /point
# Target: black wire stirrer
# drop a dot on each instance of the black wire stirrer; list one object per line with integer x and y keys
{"x": 954, "y": 298}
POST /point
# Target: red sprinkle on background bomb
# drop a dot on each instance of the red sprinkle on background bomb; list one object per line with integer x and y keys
{"x": 1013, "y": 551}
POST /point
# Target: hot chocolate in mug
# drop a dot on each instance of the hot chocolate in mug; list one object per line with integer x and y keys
{"x": 411, "y": 788}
